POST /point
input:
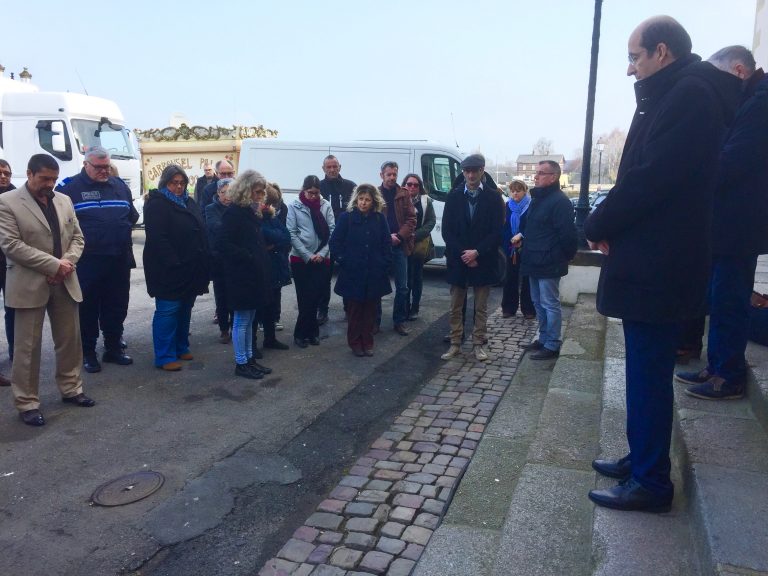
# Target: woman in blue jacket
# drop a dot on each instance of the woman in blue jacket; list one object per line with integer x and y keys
{"x": 362, "y": 247}
{"x": 517, "y": 289}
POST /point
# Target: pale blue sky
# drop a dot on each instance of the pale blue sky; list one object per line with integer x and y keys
{"x": 509, "y": 71}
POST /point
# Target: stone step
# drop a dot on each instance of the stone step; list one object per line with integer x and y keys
{"x": 548, "y": 526}
{"x": 635, "y": 543}
{"x": 757, "y": 381}
{"x": 724, "y": 448}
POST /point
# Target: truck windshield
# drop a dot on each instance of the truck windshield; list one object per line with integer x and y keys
{"x": 116, "y": 139}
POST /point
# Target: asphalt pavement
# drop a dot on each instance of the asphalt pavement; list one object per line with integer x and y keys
{"x": 263, "y": 453}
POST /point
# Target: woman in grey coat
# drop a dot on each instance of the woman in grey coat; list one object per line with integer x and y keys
{"x": 310, "y": 223}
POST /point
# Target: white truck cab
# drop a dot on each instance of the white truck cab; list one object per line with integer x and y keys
{"x": 287, "y": 163}
{"x": 64, "y": 125}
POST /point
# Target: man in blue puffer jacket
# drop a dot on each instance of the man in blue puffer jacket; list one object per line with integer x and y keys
{"x": 104, "y": 208}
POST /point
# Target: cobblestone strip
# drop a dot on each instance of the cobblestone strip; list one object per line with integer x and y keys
{"x": 381, "y": 515}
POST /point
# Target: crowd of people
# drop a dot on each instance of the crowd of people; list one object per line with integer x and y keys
{"x": 696, "y": 152}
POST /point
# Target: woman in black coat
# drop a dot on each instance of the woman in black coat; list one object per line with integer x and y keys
{"x": 246, "y": 266}
{"x": 175, "y": 264}
{"x": 361, "y": 245}
{"x": 278, "y": 241}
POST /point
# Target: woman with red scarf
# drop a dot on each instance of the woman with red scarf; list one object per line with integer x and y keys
{"x": 310, "y": 223}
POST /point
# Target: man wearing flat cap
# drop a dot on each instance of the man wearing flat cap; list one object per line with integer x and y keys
{"x": 473, "y": 219}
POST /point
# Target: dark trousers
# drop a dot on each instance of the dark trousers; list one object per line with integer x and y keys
{"x": 9, "y": 320}
{"x": 9, "y": 323}
{"x": 415, "y": 283}
{"x": 105, "y": 282}
{"x": 691, "y": 334}
{"x": 325, "y": 297}
{"x": 517, "y": 291}
{"x": 731, "y": 283}
{"x": 223, "y": 312}
{"x": 650, "y": 364}
{"x": 309, "y": 280}
{"x": 268, "y": 313}
{"x": 362, "y": 317}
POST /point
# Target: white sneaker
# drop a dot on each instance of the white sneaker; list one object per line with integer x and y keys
{"x": 453, "y": 351}
{"x": 278, "y": 326}
{"x": 480, "y": 354}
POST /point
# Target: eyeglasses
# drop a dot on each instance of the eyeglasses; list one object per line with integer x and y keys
{"x": 472, "y": 169}
{"x": 5, "y": 173}
{"x": 411, "y": 184}
{"x": 633, "y": 58}
{"x": 176, "y": 183}
{"x": 545, "y": 173}
{"x": 98, "y": 167}
{"x": 226, "y": 174}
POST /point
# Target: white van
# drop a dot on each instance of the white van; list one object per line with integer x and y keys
{"x": 64, "y": 124}
{"x": 287, "y": 163}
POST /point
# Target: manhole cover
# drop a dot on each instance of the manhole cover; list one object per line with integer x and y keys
{"x": 129, "y": 488}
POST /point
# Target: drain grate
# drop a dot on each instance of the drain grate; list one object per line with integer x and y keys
{"x": 127, "y": 489}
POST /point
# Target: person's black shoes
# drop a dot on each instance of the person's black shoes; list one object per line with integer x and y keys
{"x": 117, "y": 357}
{"x": 91, "y": 363}
{"x": 275, "y": 345}
{"x": 300, "y": 342}
{"x": 259, "y": 367}
{"x": 620, "y": 469}
{"x": 535, "y": 345}
{"x": 545, "y": 354}
{"x": 629, "y": 495}
{"x": 80, "y": 400}
{"x": 32, "y": 417}
{"x": 246, "y": 371}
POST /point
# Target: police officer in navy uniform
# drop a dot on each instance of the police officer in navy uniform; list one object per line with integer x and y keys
{"x": 105, "y": 210}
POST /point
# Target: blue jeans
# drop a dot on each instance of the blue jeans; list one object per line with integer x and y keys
{"x": 242, "y": 335}
{"x": 399, "y": 269}
{"x": 545, "y": 293}
{"x": 650, "y": 367}
{"x": 415, "y": 283}
{"x": 730, "y": 289}
{"x": 170, "y": 329}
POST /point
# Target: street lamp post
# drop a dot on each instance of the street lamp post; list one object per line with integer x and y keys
{"x": 582, "y": 206}
{"x": 600, "y": 147}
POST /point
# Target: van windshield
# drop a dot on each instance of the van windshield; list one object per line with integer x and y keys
{"x": 116, "y": 139}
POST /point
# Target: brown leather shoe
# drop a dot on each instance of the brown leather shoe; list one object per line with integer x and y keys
{"x": 4, "y": 381}
{"x": 402, "y": 330}
{"x": 171, "y": 366}
{"x": 186, "y": 356}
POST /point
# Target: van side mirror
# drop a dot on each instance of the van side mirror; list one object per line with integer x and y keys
{"x": 58, "y": 143}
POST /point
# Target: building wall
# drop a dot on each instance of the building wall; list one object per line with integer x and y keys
{"x": 760, "y": 40}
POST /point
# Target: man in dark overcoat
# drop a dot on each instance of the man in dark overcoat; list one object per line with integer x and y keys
{"x": 473, "y": 219}
{"x": 654, "y": 227}
{"x": 548, "y": 238}
{"x": 739, "y": 234}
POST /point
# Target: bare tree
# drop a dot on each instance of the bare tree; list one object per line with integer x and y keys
{"x": 543, "y": 147}
{"x": 614, "y": 145}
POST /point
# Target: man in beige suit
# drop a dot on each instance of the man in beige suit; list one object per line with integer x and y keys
{"x": 42, "y": 241}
